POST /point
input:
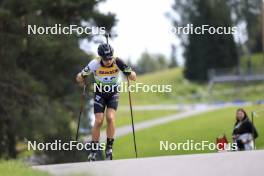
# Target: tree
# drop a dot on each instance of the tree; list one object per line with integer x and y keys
{"x": 173, "y": 62}
{"x": 37, "y": 71}
{"x": 151, "y": 63}
{"x": 203, "y": 52}
{"x": 249, "y": 12}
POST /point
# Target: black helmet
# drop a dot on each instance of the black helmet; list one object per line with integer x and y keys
{"x": 105, "y": 51}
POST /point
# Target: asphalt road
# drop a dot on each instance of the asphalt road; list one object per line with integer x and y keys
{"x": 248, "y": 163}
{"x": 186, "y": 112}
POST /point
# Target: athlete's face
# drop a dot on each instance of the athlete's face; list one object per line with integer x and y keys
{"x": 108, "y": 63}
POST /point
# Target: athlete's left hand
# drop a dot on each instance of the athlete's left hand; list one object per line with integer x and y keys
{"x": 132, "y": 76}
{"x": 80, "y": 79}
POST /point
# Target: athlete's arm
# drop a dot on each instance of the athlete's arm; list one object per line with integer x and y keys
{"x": 85, "y": 72}
{"x": 126, "y": 69}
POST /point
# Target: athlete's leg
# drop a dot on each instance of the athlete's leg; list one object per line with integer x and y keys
{"x": 112, "y": 104}
{"x": 99, "y": 119}
{"x": 99, "y": 107}
{"x": 110, "y": 118}
{"x": 110, "y": 132}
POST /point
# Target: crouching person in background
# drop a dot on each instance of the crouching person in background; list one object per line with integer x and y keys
{"x": 244, "y": 133}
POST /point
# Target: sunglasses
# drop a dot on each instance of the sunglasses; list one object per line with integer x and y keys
{"x": 107, "y": 58}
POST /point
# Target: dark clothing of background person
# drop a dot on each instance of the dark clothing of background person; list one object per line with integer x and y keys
{"x": 244, "y": 127}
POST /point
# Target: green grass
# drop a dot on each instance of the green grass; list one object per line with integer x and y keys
{"x": 123, "y": 117}
{"x": 257, "y": 61}
{"x": 173, "y": 77}
{"x": 206, "y": 126}
{"x": 184, "y": 91}
{"x": 238, "y": 91}
{"x": 17, "y": 168}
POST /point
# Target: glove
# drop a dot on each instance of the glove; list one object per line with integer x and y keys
{"x": 80, "y": 79}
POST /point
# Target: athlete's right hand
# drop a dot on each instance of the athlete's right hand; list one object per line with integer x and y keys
{"x": 80, "y": 79}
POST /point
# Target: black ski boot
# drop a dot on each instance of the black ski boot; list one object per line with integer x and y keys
{"x": 109, "y": 149}
{"x": 93, "y": 152}
{"x": 92, "y": 156}
{"x": 109, "y": 154}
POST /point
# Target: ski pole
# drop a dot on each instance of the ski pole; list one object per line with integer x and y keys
{"x": 106, "y": 37}
{"x": 253, "y": 131}
{"x": 81, "y": 109}
{"x": 132, "y": 118}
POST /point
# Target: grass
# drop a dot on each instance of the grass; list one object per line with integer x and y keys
{"x": 123, "y": 117}
{"x": 184, "y": 91}
{"x": 238, "y": 91}
{"x": 206, "y": 126}
{"x": 17, "y": 168}
{"x": 173, "y": 77}
{"x": 257, "y": 61}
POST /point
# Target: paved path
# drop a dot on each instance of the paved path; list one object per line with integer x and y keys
{"x": 248, "y": 163}
{"x": 187, "y": 112}
{"x": 181, "y": 107}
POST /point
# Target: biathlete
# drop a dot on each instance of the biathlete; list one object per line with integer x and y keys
{"x": 106, "y": 71}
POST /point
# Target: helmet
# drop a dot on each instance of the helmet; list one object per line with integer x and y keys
{"x": 105, "y": 51}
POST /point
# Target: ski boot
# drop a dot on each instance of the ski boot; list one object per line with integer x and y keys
{"x": 109, "y": 154}
{"x": 92, "y": 156}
